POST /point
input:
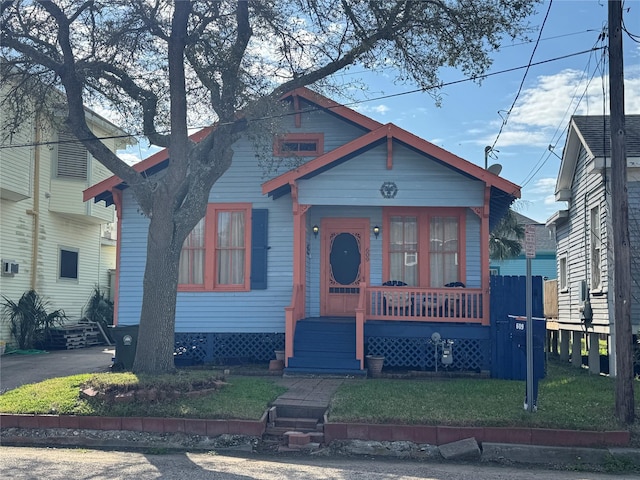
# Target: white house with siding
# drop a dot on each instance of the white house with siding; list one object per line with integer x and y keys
{"x": 584, "y": 236}
{"x": 50, "y": 239}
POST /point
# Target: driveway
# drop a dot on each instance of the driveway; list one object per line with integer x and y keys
{"x": 17, "y": 370}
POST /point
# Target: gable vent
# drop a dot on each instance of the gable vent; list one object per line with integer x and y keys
{"x": 72, "y": 157}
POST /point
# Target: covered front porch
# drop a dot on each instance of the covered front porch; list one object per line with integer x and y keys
{"x": 337, "y": 344}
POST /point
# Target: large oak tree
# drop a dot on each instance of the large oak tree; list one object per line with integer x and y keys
{"x": 160, "y": 64}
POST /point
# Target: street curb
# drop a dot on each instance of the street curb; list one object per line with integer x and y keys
{"x": 440, "y": 435}
{"x": 190, "y": 426}
{"x": 433, "y": 435}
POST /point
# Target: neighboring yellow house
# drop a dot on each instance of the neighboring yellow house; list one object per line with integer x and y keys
{"x": 43, "y": 171}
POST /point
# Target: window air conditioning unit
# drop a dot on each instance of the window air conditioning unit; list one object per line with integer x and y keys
{"x": 10, "y": 267}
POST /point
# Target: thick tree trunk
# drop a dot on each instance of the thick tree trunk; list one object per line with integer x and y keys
{"x": 157, "y": 319}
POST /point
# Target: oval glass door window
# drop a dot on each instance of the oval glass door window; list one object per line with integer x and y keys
{"x": 345, "y": 259}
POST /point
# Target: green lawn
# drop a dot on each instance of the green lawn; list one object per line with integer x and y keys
{"x": 239, "y": 398}
{"x": 568, "y": 398}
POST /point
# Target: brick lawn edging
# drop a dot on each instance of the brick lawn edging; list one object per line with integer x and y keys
{"x": 438, "y": 435}
{"x": 434, "y": 435}
{"x": 192, "y": 426}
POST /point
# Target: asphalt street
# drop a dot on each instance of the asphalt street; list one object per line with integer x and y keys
{"x": 34, "y": 463}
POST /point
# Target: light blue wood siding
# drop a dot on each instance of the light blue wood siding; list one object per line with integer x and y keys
{"x": 133, "y": 254}
{"x": 543, "y": 265}
{"x": 247, "y": 312}
{"x": 420, "y": 181}
{"x": 474, "y": 267}
{"x": 348, "y": 190}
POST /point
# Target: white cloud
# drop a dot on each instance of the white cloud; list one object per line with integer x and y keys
{"x": 381, "y": 109}
{"x": 129, "y": 158}
{"x": 542, "y": 112}
{"x": 544, "y": 186}
{"x": 372, "y": 109}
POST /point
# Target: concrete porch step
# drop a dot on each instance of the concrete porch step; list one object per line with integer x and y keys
{"x": 311, "y": 412}
{"x": 297, "y": 423}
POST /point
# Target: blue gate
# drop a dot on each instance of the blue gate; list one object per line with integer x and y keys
{"x": 508, "y": 297}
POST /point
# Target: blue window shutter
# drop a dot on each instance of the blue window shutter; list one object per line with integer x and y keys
{"x": 259, "y": 247}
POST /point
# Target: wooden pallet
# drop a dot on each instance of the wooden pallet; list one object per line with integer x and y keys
{"x": 78, "y": 335}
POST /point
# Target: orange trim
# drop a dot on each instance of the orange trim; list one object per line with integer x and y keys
{"x": 484, "y": 255}
{"x": 233, "y": 207}
{"x": 321, "y": 161}
{"x": 117, "y": 201}
{"x": 338, "y": 224}
{"x": 424, "y": 215}
{"x": 211, "y": 234}
{"x": 360, "y": 319}
{"x": 303, "y": 92}
{"x": 389, "y": 152}
{"x": 334, "y": 107}
{"x": 400, "y": 135}
{"x": 317, "y": 138}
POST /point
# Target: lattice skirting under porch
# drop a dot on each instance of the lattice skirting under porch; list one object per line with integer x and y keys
{"x": 420, "y": 353}
{"x": 226, "y": 348}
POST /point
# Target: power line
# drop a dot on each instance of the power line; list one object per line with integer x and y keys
{"x": 562, "y": 125}
{"x": 535, "y": 47}
{"x": 350, "y": 104}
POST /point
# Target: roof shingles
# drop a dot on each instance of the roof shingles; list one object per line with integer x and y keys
{"x": 595, "y": 131}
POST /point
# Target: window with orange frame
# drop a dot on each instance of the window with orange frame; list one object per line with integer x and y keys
{"x": 216, "y": 254}
{"x": 424, "y": 247}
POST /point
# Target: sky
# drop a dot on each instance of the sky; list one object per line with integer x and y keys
{"x": 471, "y": 115}
{"x": 527, "y": 142}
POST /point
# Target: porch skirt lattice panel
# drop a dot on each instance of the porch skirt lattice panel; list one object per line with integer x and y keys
{"x": 420, "y": 353}
{"x": 225, "y": 348}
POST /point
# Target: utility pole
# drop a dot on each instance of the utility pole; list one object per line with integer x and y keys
{"x": 620, "y": 219}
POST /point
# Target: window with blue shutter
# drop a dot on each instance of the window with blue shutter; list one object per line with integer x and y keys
{"x": 259, "y": 248}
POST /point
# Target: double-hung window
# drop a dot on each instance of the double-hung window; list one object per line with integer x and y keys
{"x": 443, "y": 250}
{"x": 192, "y": 257}
{"x": 563, "y": 276}
{"x": 231, "y": 248}
{"x": 403, "y": 249}
{"x": 423, "y": 247}
{"x": 217, "y": 253}
{"x": 596, "y": 247}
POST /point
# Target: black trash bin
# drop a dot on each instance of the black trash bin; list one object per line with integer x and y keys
{"x": 126, "y": 338}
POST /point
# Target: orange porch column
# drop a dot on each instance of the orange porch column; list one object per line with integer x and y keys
{"x": 484, "y": 255}
{"x": 296, "y": 311}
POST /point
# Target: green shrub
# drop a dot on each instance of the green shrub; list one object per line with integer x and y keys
{"x": 99, "y": 309}
{"x": 29, "y": 322}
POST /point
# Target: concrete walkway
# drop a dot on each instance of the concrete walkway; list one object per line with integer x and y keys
{"x": 307, "y": 395}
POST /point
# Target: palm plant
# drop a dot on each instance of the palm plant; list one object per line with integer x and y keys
{"x": 99, "y": 309}
{"x": 29, "y": 322}
{"x": 505, "y": 241}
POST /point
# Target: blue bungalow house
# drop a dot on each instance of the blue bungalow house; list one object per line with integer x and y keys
{"x": 376, "y": 241}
